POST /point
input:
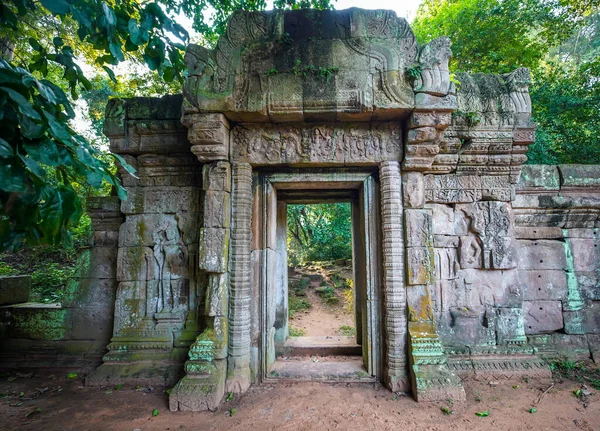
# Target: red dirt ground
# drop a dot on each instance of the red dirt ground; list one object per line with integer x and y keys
{"x": 65, "y": 404}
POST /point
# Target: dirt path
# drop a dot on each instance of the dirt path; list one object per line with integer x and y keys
{"x": 297, "y": 407}
{"x": 321, "y": 319}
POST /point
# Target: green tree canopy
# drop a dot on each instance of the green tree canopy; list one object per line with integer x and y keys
{"x": 559, "y": 40}
{"x": 43, "y": 44}
{"x": 319, "y": 232}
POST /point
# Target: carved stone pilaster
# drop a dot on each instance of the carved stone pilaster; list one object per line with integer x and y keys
{"x": 203, "y": 386}
{"x": 209, "y": 136}
{"x": 395, "y": 373}
{"x": 239, "y": 307}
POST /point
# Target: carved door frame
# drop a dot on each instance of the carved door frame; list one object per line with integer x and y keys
{"x": 272, "y": 190}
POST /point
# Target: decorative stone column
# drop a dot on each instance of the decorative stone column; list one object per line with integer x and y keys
{"x": 394, "y": 298}
{"x": 238, "y": 379}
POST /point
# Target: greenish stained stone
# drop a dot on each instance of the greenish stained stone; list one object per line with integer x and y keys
{"x": 41, "y": 323}
{"x": 575, "y": 300}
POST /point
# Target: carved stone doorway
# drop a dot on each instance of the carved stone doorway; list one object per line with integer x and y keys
{"x": 273, "y": 191}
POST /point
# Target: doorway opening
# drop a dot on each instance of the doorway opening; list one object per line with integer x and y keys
{"x": 318, "y": 241}
{"x": 321, "y": 300}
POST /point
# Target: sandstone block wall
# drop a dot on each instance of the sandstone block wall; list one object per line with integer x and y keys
{"x": 557, "y": 221}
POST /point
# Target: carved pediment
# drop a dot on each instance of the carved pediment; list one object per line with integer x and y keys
{"x": 305, "y": 66}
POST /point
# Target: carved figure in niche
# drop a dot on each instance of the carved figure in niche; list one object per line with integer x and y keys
{"x": 291, "y": 148}
{"x": 323, "y": 145}
{"x": 359, "y": 144}
{"x": 266, "y": 145}
{"x": 170, "y": 255}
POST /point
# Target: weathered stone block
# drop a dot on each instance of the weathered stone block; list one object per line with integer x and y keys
{"x": 594, "y": 344}
{"x": 209, "y": 135}
{"x": 571, "y": 347}
{"x": 142, "y": 229}
{"x": 538, "y": 232}
{"x": 216, "y": 176}
{"x": 161, "y": 200}
{"x": 541, "y": 178}
{"x": 103, "y": 262}
{"x": 589, "y": 285}
{"x": 509, "y": 326}
{"x": 443, "y": 219}
{"x": 452, "y": 188}
{"x": 136, "y": 263}
{"x": 542, "y": 316}
{"x": 90, "y": 292}
{"x": 420, "y": 265}
{"x": 445, "y": 241}
{"x": 418, "y": 227}
{"x": 446, "y": 263}
{"x": 580, "y": 176}
{"x": 586, "y": 254}
{"x": 217, "y": 209}
{"x": 41, "y": 322}
{"x": 214, "y": 249}
{"x": 92, "y": 323}
{"x": 541, "y": 254}
{"x": 439, "y": 120}
{"x": 470, "y": 252}
{"x": 426, "y": 101}
{"x": 422, "y": 134}
{"x": 14, "y": 289}
{"x": 413, "y": 189}
{"x": 544, "y": 284}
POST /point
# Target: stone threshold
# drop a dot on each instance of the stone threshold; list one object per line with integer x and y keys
{"x": 320, "y": 369}
{"x": 321, "y": 346}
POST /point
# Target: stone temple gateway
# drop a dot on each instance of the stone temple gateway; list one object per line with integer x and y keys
{"x": 466, "y": 262}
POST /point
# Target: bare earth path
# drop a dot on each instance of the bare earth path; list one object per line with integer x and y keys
{"x": 321, "y": 319}
{"x": 297, "y": 407}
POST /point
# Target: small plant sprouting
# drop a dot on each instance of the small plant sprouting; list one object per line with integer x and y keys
{"x": 325, "y": 73}
{"x": 155, "y": 412}
{"x": 471, "y": 118}
{"x": 296, "y": 332}
{"x": 446, "y": 410}
{"x": 413, "y": 73}
{"x": 272, "y": 71}
{"x": 483, "y": 414}
{"x": 229, "y": 397}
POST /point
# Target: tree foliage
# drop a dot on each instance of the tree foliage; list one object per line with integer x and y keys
{"x": 319, "y": 232}
{"x": 43, "y": 161}
{"x": 557, "y": 39}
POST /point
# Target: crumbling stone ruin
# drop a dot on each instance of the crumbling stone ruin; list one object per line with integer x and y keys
{"x": 466, "y": 262}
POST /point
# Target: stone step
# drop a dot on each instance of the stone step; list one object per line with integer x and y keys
{"x": 328, "y": 369}
{"x": 321, "y": 346}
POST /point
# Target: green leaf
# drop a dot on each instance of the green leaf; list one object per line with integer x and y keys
{"x": 111, "y": 18}
{"x": 110, "y": 73}
{"x": 60, "y": 7}
{"x": 23, "y": 104}
{"x": 35, "y": 44}
{"x": 33, "y": 166}
{"x": 532, "y": 410}
{"x": 155, "y": 412}
{"x": 44, "y": 152}
{"x": 12, "y": 176}
{"x": 6, "y": 150}
{"x": 483, "y": 414}
{"x": 58, "y": 130}
{"x": 130, "y": 169}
